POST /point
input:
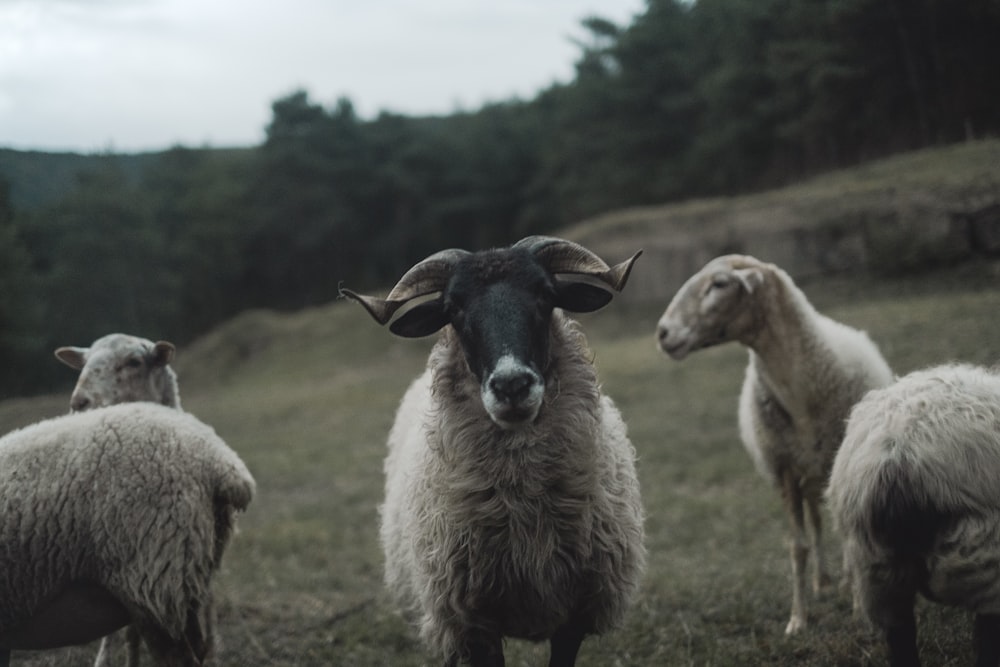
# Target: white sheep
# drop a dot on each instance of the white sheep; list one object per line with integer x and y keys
{"x": 915, "y": 488}
{"x": 512, "y": 507}
{"x": 115, "y": 516}
{"x": 805, "y": 373}
{"x": 119, "y": 368}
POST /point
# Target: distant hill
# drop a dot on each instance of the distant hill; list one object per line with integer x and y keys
{"x": 904, "y": 214}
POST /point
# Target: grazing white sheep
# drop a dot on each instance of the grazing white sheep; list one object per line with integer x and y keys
{"x": 806, "y": 371}
{"x": 915, "y": 488}
{"x": 512, "y": 507}
{"x": 119, "y": 368}
{"x": 114, "y": 516}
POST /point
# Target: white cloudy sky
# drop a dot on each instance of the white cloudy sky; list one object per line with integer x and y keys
{"x": 129, "y": 75}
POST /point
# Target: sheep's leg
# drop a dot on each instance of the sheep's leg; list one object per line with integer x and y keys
{"x": 986, "y": 639}
{"x": 887, "y": 595}
{"x": 792, "y": 495}
{"x": 565, "y": 644}
{"x": 901, "y": 639}
{"x": 197, "y": 637}
{"x": 189, "y": 651}
{"x": 133, "y": 644}
{"x": 103, "y": 658}
{"x": 821, "y": 576}
{"x": 110, "y": 646}
{"x": 847, "y": 576}
{"x": 483, "y": 652}
{"x": 850, "y": 579}
{"x": 166, "y": 651}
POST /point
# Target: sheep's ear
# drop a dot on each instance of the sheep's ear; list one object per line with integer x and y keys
{"x": 751, "y": 279}
{"x": 579, "y": 297}
{"x": 421, "y": 320}
{"x": 74, "y": 357}
{"x": 162, "y": 354}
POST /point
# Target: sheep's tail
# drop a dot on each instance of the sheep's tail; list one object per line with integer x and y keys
{"x": 233, "y": 493}
{"x": 236, "y": 489}
{"x": 905, "y": 516}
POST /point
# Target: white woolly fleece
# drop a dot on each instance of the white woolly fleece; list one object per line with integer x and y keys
{"x": 805, "y": 372}
{"x": 511, "y": 532}
{"x": 136, "y": 498}
{"x": 936, "y": 432}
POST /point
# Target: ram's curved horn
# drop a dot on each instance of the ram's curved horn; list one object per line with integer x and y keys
{"x": 561, "y": 256}
{"x": 426, "y": 277}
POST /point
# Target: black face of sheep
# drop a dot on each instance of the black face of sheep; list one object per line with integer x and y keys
{"x": 500, "y": 304}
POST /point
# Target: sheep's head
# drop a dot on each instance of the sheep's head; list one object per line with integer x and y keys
{"x": 712, "y": 307}
{"x": 120, "y": 369}
{"x": 499, "y": 303}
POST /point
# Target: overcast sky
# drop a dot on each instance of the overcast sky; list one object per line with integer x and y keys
{"x": 132, "y": 75}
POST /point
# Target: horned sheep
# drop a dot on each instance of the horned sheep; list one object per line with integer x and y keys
{"x": 114, "y": 516}
{"x": 119, "y": 368}
{"x": 805, "y": 372}
{"x": 512, "y": 506}
{"x": 915, "y": 490}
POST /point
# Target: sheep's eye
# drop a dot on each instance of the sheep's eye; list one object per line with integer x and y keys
{"x": 718, "y": 282}
{"x": 133, "y": 362}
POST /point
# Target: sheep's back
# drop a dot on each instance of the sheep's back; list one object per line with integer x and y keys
{"x": 123, "y": 496}
{"x": 936, "y": 431}
{"x": 915, "y": 481}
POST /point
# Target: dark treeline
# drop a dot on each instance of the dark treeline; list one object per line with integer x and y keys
{"x": 690, "y": 99}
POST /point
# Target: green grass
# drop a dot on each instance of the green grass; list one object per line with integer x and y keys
{"x": 307, "y": 400}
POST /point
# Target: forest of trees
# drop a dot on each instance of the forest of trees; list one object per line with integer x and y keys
{"x": 690, "y": 99}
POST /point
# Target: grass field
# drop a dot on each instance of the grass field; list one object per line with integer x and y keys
{"x": 307, "y": 400}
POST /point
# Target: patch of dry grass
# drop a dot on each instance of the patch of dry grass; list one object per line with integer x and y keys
{"x": 956, "y": 176}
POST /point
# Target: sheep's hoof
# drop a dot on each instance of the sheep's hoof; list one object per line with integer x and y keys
{"x": 795, "y": 625}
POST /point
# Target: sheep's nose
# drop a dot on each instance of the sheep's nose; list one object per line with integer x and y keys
{"x": 662, "y": 333}
{"x": 79, "y": 403}
{"x": 513, "y": 387}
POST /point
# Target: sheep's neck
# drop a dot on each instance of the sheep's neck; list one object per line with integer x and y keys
{"x": 783, "y": 346}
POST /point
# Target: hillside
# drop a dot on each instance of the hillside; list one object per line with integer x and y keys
{"x": 900, "y": 215}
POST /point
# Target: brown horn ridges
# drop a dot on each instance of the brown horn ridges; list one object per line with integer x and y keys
{"x": 562, "y": 256}
{"x": 425, "y": 277}
{"x": 618, "y": 275}
{"x": 380, "y": 309}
